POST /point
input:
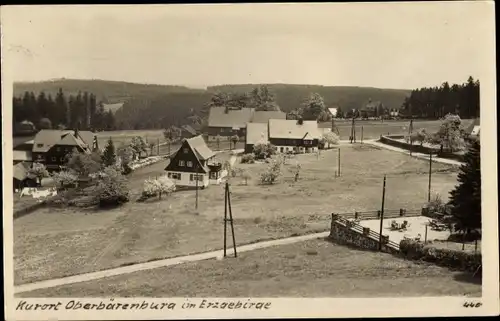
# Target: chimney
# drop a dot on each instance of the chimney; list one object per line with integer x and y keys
{"x": 76, "y": 131}
{"x": 300, "y": 121}
{"x": 226, "y": 110}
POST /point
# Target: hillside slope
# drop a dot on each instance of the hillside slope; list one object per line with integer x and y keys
{"x": 109, "y": 92}
{"x": 290, "y": 97}
{"x": 156, "y": 106}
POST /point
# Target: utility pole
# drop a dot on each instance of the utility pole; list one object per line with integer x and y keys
{"x": 227, "y": 201}
{"x": 158, "y": 147}
{"x": 382, "y": 215}
{"x": 430, "y": 176}
{"x": 361, "y": 134}
{"x": 339, "y": 163}
{"x": 425, "y": 238}
{"x": 225, "y": 218}
{"x": 410, "y": 130}
{"x": 197, "y": 166}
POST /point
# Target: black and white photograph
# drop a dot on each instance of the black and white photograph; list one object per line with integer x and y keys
{"x": 216, "y": 160}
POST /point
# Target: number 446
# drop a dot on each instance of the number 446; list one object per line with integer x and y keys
{"x": 472, "y": 304}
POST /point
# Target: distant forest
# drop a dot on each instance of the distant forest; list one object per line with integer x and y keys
{"x": 45, "y": 112}
{"x": 70, "y": 103}
{"x": 436, "y": 102}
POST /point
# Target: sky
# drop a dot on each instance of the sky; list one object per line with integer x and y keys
{"x": 385, "y": 45}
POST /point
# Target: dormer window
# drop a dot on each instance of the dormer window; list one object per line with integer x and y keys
{"x": 185, "y": 150}
{"x": 39, "y": 145}
{"x": 181, "y": 163}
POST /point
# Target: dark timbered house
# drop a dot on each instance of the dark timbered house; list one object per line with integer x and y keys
{"x": 193, "y": 162}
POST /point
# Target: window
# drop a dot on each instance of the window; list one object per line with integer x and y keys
{"x": 281, "y": 149}
{"x": 39, "y": 145}
{"x": 194, "y": 177}
{"x": 189, "y": 164}
{"x": 175, "y": 175}
{"x": 39, "y": 156}
{"x": 181, "y": 163}
{"x": 307, "y": 142}
{"x": 62, "y": 159}
{"x": 54, "y": 159}
{"x": 185, "y": 150}
{"x": 58, "y": 149}
{"x": 169, "y": 175}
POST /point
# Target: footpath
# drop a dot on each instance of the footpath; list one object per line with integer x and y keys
{"x": 416, "y": 155}
{"x": 162, "y": 263}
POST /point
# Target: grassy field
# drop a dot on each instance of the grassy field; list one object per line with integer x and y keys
{"x": 315, "y": 268}
{"x": 373, "y": 129}
{"x": 52, "y": 243}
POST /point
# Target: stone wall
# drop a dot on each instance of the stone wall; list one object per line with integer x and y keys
{"x": 346, "y": 236}
{"x": 362, "y": 239}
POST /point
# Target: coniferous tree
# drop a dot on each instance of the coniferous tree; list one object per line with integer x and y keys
{"x": 109, "y": 154}
{"x": 465, "y": 199}
{"x": 61, "y": 106}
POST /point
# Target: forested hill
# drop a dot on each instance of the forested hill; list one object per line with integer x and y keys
{"x": 109, "y": 92}
{"x": 290, "y": 97}
{"x": 158, "y": 106}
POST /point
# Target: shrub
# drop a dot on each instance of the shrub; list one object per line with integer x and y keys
{"x": 248, "y": 159}
{"x": 453, "y": 259}
{"x": 295, "y": 170}
{"x": 38, "y": 171}
{"x": 272, "y": 173}
{"x": 65, "y": 179}
{"x": 157, "y": 187}
{"x": 263, "y": 151}
{"x": 111, "y": 189}
{"x": 246, "y": 175}
{"x": 436, "y": 204}
{"x": 329, "y": 138}
{"x": 84, "y": 164}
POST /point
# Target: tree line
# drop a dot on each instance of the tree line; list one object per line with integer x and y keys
{"x": 436, "y": 102}
{"x": 80, "y": 111}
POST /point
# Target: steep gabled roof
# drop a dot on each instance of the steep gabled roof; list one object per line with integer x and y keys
{"x": 200, "y": 148}
{"x": 262, "y": 116}
{"x": 46, "y": 138}
{"x": 234, "y": 118}
{"x": 87, "y": 137}
{"x": 51, "y": 137}
{"x": 291, "y": 129}
{"x": 20, "y": 171}
{"x": 256, "y": 133}
{"x": 474, "y": 128}
{"x": 189, "y": 129}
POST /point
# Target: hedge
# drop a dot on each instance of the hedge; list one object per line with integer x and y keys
{"x": 463, "y": 261}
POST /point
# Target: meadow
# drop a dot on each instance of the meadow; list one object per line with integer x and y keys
{"x": 315, "y": 268}
{"x": 57, "y": 242}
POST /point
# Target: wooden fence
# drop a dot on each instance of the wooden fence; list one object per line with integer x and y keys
{"x": 365, "y": 231}
{"x": 343, "y": 218}
{"x": 392, "y": 140}
{"x": 368, "y": 215}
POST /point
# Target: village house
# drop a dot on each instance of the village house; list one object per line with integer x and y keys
{"x": 194, "y": 165}
{"x": 372, "y": 109}
{"x": 257, "y": 133}
{"x": 299, "y": 136}
{"x": 21, "y": 178}
{"x": 51, "y": 146}
{"x": 263, "y": 116}
{"x": 227, "y": 122}
{"x": 294, "y": 136}
{"x": 188, "y": 131}
{"x": 473, "y": 130}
